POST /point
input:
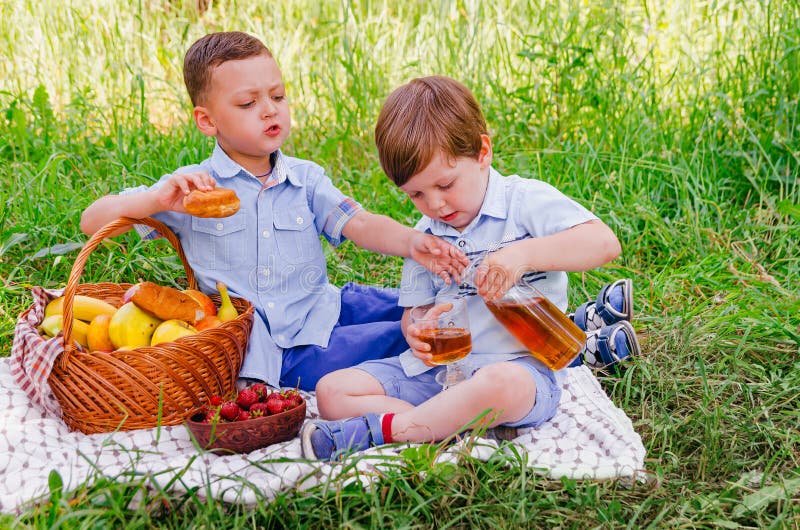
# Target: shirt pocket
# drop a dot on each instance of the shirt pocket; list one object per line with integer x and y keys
{"x": 219, "y": 243}
{"x": 297, "y": 239}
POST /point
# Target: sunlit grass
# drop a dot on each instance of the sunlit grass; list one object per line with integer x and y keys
{"x": 676, "y": 122}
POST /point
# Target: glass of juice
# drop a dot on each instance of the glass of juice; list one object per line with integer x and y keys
{"x": 444, "y": 326}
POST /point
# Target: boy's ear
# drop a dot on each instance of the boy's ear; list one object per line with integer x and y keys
{"x": 485, "y": 154}
{"x": 203, "y": 121}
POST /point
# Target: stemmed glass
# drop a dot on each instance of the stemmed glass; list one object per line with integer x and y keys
{"x": 444, "y": 326}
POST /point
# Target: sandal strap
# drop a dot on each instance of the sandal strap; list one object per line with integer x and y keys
{"x": 580, "y": 315}
{"x": 607, "y": 312}
{"x": 606, "y": 345}
{"x": 343, "y": 434}
{"x": 375, "y": 428}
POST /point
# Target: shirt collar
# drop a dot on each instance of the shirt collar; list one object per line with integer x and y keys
{"x": 224, "y": 167}
{"x": 494, "y": 204}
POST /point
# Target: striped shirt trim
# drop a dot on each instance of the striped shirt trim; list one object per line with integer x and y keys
{"x": 343, "y": 212}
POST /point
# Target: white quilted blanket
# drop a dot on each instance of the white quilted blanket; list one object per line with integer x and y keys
{"x": 588, "y": 438}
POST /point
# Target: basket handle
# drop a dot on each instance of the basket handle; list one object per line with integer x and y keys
{"x": 90, "y": 246}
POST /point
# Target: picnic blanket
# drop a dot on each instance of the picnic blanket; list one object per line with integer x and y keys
{"x": 588, "y": 438}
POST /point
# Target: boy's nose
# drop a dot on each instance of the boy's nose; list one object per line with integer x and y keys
{"x": 269, "y": 108}
{"x": 436, "y": 202}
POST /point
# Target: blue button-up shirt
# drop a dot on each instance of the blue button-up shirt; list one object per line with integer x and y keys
{"x": 269, "y": 252}
{"x": 513, "y": 209}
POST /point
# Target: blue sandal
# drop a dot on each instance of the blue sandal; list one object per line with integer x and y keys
{"x": 614, "y": 303}
{"x": 610, "y": 345}
{"x": 332, "y": 440}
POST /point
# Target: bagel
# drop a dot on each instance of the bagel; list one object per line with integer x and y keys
{"x": 219, "y": 202}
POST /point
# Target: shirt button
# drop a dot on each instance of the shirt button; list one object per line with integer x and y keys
{"x": 270, "y": 304}
{"x": 265, "y": 233}
{"x": 281, "y": 338}
{"x": 461, "y": 243}
{"x": 220, "y": 226}
{"x": 299, "y": 220}
{"x": 265, "y": 272}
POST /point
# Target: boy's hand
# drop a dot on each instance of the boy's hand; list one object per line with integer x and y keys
{"x": 499, "y": 272}
{"x": 170, "y": 195}
{"x": 420, "y": 349}
{"x": 438, "y": 256}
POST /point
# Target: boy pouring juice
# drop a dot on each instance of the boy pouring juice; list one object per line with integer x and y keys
{"x": 433, "y": 144}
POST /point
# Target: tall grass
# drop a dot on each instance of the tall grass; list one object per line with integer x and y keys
{"x": 676, "y": 122}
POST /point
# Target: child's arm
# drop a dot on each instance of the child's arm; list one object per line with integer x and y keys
{"x": 579, "y": 248}
{"x": 384, "y": 235}
{"x": 168, "y": 196}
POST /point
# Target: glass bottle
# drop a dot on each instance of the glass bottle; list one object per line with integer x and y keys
{"x": 539, "y": 325}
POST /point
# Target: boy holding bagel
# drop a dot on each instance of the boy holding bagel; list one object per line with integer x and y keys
{"x": 268, "y": 249}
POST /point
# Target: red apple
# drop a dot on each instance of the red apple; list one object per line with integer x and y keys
{"x": 210, "y": 321}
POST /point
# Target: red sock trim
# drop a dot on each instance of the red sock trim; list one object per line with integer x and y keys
{"x": 386, "y": 428}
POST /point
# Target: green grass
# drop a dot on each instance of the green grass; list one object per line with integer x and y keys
{"x": 677, "y": 125}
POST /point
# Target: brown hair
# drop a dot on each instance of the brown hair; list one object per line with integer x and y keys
{"x": 210, "y": 51}
{"x": 425, "y": 116}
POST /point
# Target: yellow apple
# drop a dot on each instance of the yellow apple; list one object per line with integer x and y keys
{"x": 170, "y": 330}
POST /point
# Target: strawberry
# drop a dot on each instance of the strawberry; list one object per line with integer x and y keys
{"x": 243, "y": 415}
{"x": 261, "y": 390}
{"x": 274, "y": 395}
{"x": 293, "y": 398}
{"x": 246, "y": 397}
{"x": 229, "y": 410}
{"x": 210, "y": 417}
{"x": 215, "y": 401}
{"x": 259, "y": 409}
{"x": 277, "y": 404}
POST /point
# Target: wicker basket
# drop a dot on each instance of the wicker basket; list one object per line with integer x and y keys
{"x": 148, "y": 386}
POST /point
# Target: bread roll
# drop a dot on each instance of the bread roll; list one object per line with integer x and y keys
{"x": 166, "y": 303}
{"x": 219, "y": 202}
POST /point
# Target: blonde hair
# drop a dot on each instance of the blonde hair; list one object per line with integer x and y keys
{"x": 423, "y": 117}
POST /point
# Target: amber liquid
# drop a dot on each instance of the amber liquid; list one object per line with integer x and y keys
{"x": 448, "y": 345}
{"x": 541, "y": 327}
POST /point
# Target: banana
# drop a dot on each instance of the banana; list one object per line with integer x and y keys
{"x": 83, "y": 307}
{"x": 53, "y": 324}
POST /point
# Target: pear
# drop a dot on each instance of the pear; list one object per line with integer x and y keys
{"x": 226, "y": 310}
{"x": 131, "y": 327}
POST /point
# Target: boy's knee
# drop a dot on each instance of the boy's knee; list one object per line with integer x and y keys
{"x": 331, "y": 390}
{"x": 329, "y": 385}
{"x": 506, "y": 381}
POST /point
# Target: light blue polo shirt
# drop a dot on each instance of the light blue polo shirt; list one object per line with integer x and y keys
{"x": 269, "y": 252}
{"x": 513, "y": 209}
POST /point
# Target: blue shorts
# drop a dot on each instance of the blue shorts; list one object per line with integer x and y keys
{"x": 418, "y": 389}
{"x": 368, "y": 328}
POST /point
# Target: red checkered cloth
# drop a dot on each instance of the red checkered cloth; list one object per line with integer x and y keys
{"x": 32, "y": 355}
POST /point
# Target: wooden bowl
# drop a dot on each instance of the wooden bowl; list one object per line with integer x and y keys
{"x": 247, "y": 435}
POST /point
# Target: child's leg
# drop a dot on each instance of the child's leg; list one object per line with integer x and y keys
{"x": 518, "y": 392}
{"x": 353, "y": 392}
{"x": 347, "y": 347}
{"x": 364, "y": 303}
{"x": 505, "y": 387}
